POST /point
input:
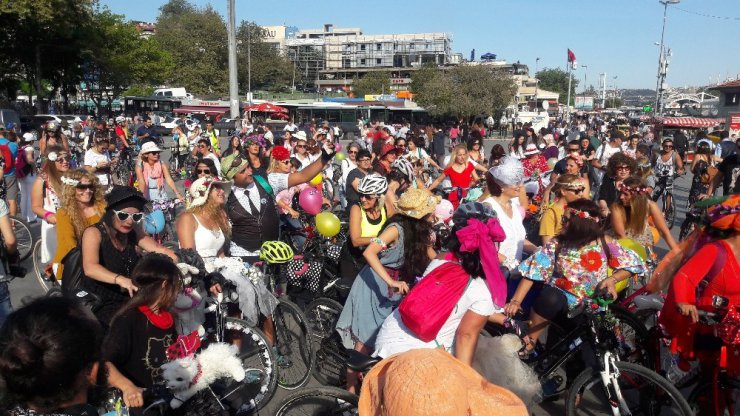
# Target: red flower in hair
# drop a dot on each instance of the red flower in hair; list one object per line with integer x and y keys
{"x": 591, "y": 261}
{"x": 280, "y": 153}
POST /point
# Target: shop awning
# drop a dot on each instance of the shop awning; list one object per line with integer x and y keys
{"x": 691, "y": 122}
{"x": 197, "y": 109}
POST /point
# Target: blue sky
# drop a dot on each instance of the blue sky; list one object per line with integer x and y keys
{"x": 612, "y": 36}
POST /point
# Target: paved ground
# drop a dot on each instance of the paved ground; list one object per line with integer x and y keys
{"x": 30, "y": 287}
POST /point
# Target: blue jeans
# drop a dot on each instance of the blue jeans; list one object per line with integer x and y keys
{"x": 5, "y": 307}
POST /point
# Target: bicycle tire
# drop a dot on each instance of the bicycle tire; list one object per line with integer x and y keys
{"x": 699, "y": 390}
{"x": 648, "y": 398}
{"x": 319, "y": 401}
{"x": 39, "y": 268}
{"x": 255, "y": 352}
{"x": 669, "y": 210}
{"x": 23, "y": 237}
{"x": 322, "y": 315}
{"x": 632, "y": 337}
{"x": 293, "y": 342}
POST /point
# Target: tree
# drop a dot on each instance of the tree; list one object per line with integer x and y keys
{"x": 197, "y": 40}
{"x": 422, "y": 75}
{"x": 260, "y": 65}
{"x": 556, "y": 80}
{"x": 466, "y": 91}
{"x": 612, "y": 102}
{"x": 372, "y": 83}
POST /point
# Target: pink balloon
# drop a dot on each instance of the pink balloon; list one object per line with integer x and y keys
{"x": 310, "y": 200}
{"x": 337, "y": 147}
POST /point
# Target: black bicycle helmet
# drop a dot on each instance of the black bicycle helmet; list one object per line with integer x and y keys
{"x": 473, "y": 210}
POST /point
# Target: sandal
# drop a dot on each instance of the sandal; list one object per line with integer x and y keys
{"x": 528, "y": 350}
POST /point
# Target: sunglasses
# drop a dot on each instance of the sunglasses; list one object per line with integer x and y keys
{"x": 577, "y": 191}
{"x": 623, "y": 168}
{"x": 206, "y": 171}
{"x": 367, "y": 196}
{"x": 85, "y": 187}
{"x": 62, "y": 160}
{"x": 352, "y": 152}
{"x": 285, "y": 162}
{"x": 124, "y": 216}
{"x": 300, "y": 146}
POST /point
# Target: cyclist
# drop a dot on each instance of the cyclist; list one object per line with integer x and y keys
{"x": 50, "y": 136}
{"x": 212, "y": 135}
{"x": 122, "y": 140}
{"x": 49, "y": 358}
{"x": 45, "y": 200}
{"x": 82, "y": 205}
{"x": 152, "y": 174}
{"x": 618, "y": 168}
{"x": 401, "y": 252}
{"x": 461, "y": 172}
{"x": 634, "y": 212}
{"x": 8, "y": 239}
{"x": 572, "y": 266}
{"x": 98, "y": 159}
{"x": 667, "y": 164}
{"x": 366, "y": 218}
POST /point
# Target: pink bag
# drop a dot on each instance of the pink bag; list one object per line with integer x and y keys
{"x": 429, "y": 304}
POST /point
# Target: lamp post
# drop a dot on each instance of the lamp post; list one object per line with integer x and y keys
{"x": 233, "y": 82}
{"x": 661, "y": 58}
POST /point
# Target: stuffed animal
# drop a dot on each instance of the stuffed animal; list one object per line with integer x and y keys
{"x": 498, "y": 361}
{"x": 189, "y": 307}
{"x": 187, "y": 376}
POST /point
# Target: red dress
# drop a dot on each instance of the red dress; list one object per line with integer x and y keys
{"x": 683, "y": 289}
{"x": 459, "y": 179}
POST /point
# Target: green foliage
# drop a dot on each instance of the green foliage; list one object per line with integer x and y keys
{"x": 556, "y": 80}
{"x": 197, "y": 41}
{"x": 612, "y": 102}
{"x": 422, "y": 75}
{"x": 138, "y": 91}
{"x": 372, "y": 83}
{"x": 465, "y": 91}
{"x": 268, "y": 70}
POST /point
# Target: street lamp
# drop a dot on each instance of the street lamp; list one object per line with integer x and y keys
{"x": 536, "y": 84}
{"x": 661, "y": 73}
{"x": 614, "y": 96}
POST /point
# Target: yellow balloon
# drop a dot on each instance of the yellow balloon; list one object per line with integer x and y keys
{"x": 317, "y": 179}
{"x": 327, "y": 224}
{"x": 656, "y": 235}
{"x": 638, "y": 249}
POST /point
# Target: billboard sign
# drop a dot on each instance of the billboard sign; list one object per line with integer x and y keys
{"x": 735, "y": 124}
{"x": 584, "y": 103}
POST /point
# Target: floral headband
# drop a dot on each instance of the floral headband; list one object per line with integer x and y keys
{"x": 581, "y": 214}
{"x": 53, "y": 156}
{"x": 69, "y": 181}
{"x": 571, "y": 185}
{"x": 640, "y": 190}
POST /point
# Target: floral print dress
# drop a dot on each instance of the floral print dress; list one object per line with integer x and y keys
{"x": 585, "y": 267}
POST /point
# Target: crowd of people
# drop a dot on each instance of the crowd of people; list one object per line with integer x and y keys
{"x": 534, "y": 224}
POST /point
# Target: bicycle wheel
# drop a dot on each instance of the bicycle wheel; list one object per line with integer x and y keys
{"x": 322, "y": 315}
{"x": 632, "y": 337}
{"x": 23, "y": 237}
{"x": 319, "y": 401}
{"x": 702, "y": 397}
{"x": 669, "y": 210}
{"x": 644, "y": 393}
{"x": 45, "y": 281}
{"x": 256, "y": 390}
{"x": 331, "y": 362}
{"x": 293, "y": 341}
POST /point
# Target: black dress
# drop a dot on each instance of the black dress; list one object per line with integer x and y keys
{"x": 112, "y": 296}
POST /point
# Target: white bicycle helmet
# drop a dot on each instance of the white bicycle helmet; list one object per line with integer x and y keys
{"x": 120, "y": 119}
{"x": 404, "y": 166}
{"x": 372, "y": 184}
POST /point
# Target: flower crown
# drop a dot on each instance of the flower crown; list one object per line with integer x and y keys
{"x": 642, "y": 190}
{"x": 571, "y": 185}
{"x": 581, "y": 214}
{"x": 69, "y": 181}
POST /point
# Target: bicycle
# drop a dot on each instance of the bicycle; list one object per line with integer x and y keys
{"x": 665, "y": 190}
{"x": 47, "y": 281}
{"x": 123, "y": 167}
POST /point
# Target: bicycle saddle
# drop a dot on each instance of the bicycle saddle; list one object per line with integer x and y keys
{"x": 358, "y": 361}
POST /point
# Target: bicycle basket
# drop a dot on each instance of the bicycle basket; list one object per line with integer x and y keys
{"x": 305, "y": 274}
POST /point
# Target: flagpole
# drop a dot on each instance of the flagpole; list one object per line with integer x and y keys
{"x": 570, "y": 78}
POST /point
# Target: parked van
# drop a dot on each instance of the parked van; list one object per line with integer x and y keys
{"x": 172, "y": 93}
{"x": 9, "y": 116}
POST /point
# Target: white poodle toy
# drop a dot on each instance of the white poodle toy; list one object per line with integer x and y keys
{"x": 189, "y": 375}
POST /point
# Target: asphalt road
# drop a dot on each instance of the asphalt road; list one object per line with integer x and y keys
{"x": 29, "y": 287}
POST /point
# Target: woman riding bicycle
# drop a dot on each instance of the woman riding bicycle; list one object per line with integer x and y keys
{"x": 83, "y": 205}
{"x": 666, "y": 166}
{"x": 152, "y": 174}
{"x": 366, "y": 219}
{"x": 619, "y": 167}
{"x": 45, "y": 200}
{"x": 461, "y": 172}
{"x": 401, "y": 252}
{"x": 567, "y": 188}
{"x": 49, "y": 358}
{"x": 471, "y": 245}
{"x": 98, "y": 159}
{"x": 572, "y": 266}
{"x": 703, "y": 159}
{"x": 205, "y": 227}
{"x": 109, "y": 251}
{"x": 631, "y": 212}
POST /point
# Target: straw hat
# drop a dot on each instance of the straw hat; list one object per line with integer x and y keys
{"x": 149, "y": 147}
{"x": 432, "y": 382}
{"x": 301, "y": 135}
{"x": 417, "y": 203}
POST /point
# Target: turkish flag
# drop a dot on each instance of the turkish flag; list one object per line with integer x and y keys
{"x": 571, "y": 56}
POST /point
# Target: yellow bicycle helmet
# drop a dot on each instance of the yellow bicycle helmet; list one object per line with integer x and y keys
{"x": 275, "y": 252}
